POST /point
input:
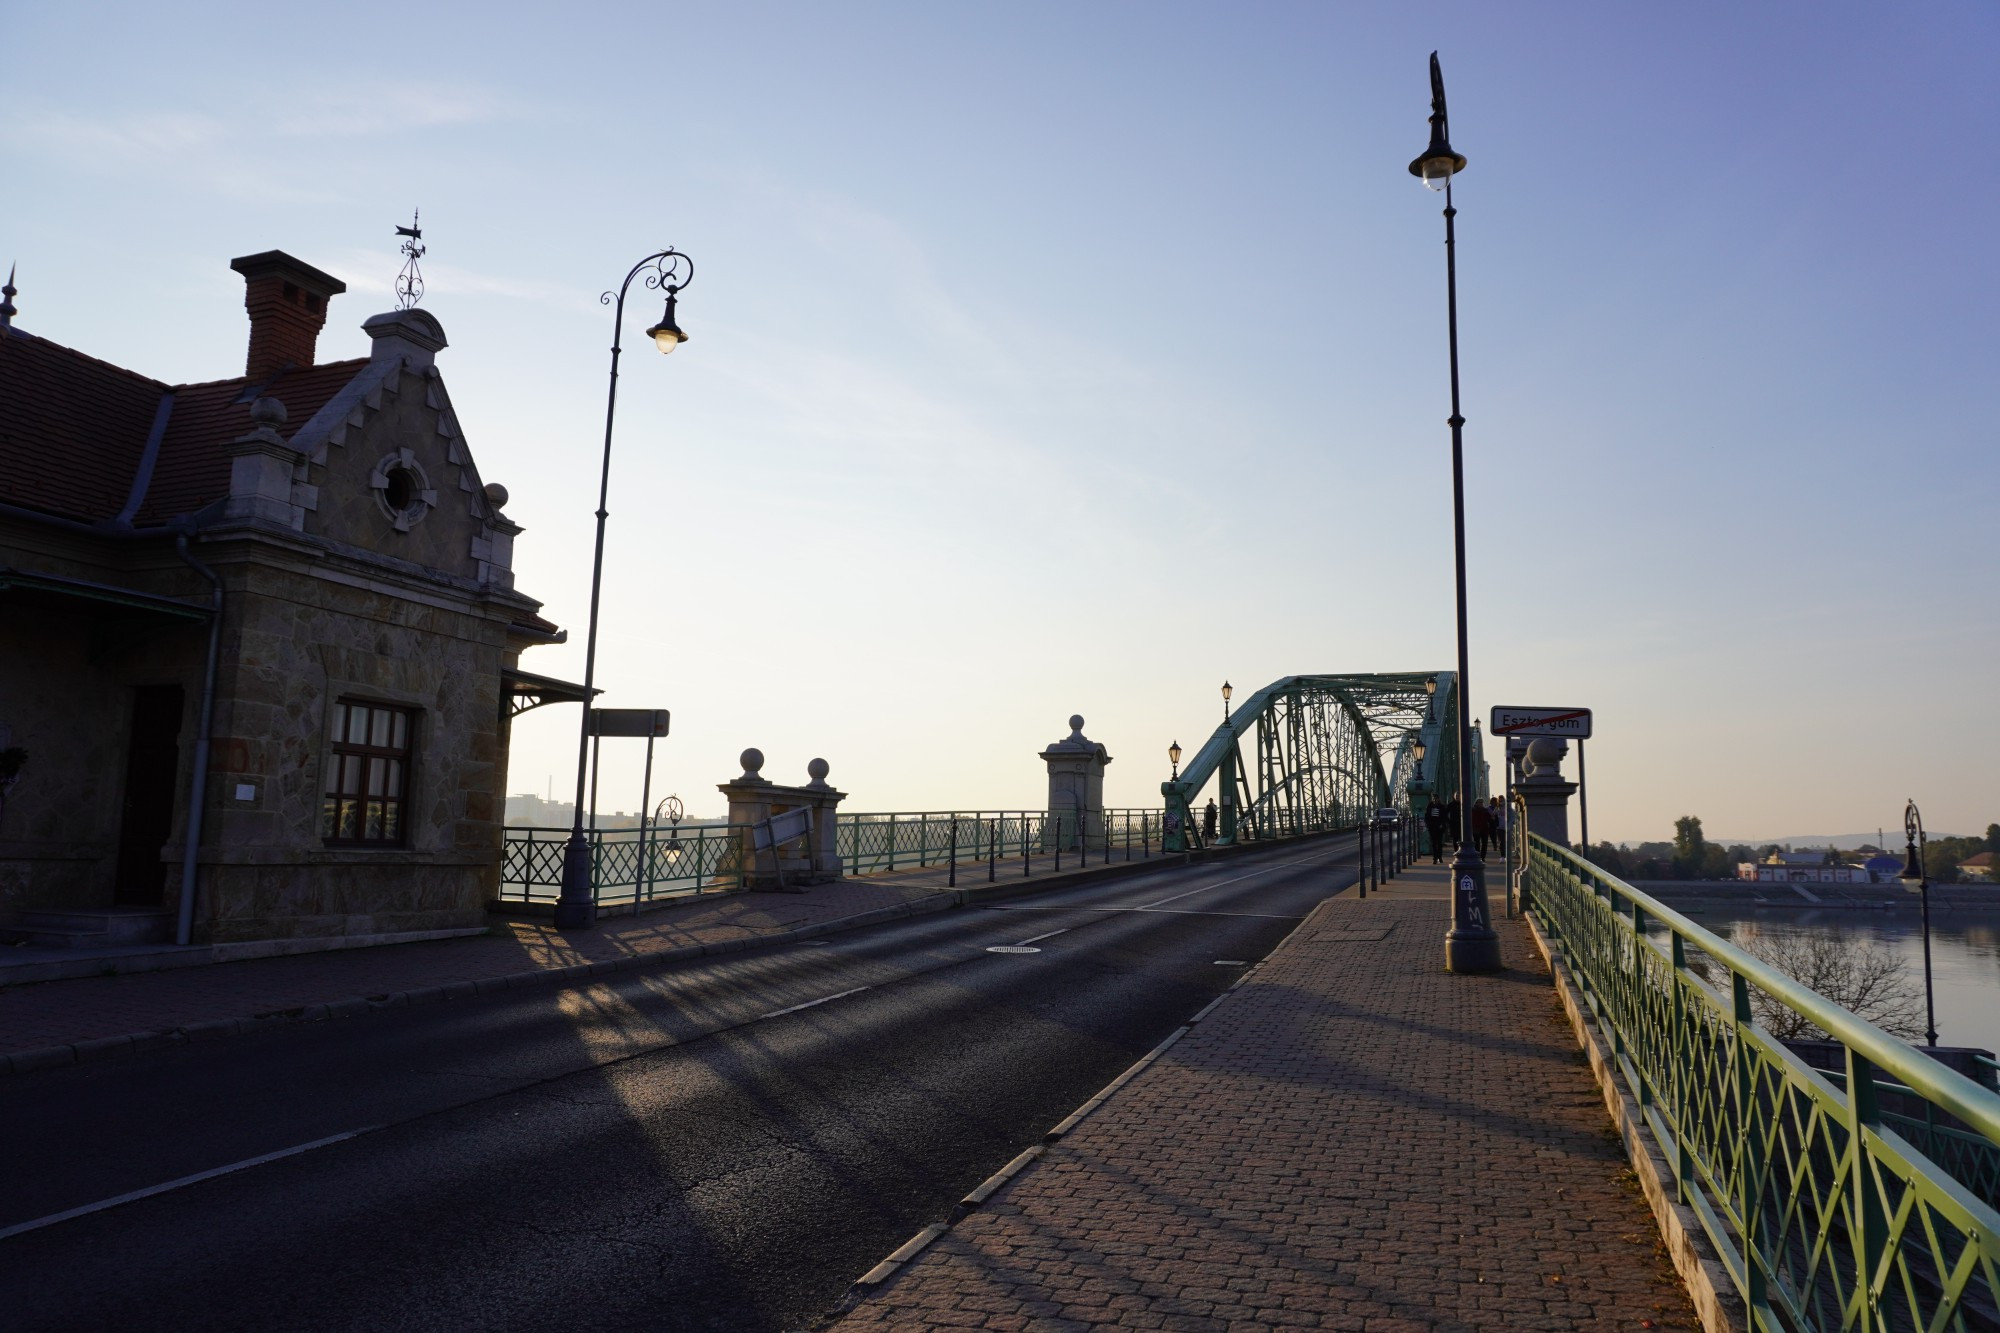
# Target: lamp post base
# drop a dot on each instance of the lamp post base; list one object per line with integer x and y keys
{"x": 574, "y": 909}
{"x": 1472, "y": 945}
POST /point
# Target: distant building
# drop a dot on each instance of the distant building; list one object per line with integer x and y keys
{"x": 1815, "y": 873}
{"x": 1978, "y": 869}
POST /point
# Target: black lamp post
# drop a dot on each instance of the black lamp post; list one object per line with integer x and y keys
{"x": 1174, "y": 754}
{"x": 1226, "y": 692}
{"x": 1916, "y": 878}
{"x": 1471, "y": 945}
{"x": 576, "y": 909}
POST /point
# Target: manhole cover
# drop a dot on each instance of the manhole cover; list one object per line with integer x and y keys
{"x": 1011, "y": 948}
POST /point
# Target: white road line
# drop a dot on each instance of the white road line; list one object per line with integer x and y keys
{"x": 21, "y": 1228}
{"x": 824, "y": 999}
{"x": 1265, "y": 870}
{"x": 1051, "y": 935}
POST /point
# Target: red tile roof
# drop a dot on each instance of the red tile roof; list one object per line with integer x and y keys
{"x": 193, "y": 469}
{"x": 73, "y": 430}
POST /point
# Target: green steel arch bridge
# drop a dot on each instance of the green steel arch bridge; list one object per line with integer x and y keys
{"x": 1328, "y": 750}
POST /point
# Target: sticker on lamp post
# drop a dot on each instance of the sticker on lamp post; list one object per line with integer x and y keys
{"x": 1468, "y": 889}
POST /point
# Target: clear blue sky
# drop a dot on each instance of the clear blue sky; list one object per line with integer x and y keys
{"x": 1051, "y": 358}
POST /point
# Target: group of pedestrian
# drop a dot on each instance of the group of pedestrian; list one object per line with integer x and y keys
{"x": 1489, "y": 825}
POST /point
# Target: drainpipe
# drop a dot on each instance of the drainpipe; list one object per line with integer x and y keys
{"x": 191, "y": 840}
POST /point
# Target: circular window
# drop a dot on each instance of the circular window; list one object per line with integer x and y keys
{"x": 402, "y": 489}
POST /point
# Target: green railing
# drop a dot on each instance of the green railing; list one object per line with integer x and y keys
{"x": 627, "y": 865}
{"x": 869, "y": 844}
{"x": 1861, "y": 1198}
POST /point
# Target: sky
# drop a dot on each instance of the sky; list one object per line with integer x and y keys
{"x": 1059, "y": 358}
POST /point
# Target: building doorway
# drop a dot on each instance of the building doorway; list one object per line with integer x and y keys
{"x": 152, "y": 769}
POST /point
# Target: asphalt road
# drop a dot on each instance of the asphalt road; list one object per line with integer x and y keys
{"x": 721, "y": 1145}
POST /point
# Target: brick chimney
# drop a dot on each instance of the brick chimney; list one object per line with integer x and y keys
{"x": 287, "y": 303}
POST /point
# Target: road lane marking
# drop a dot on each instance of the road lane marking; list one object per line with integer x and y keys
{"x": 1011, "y": 948}
{"x": 1034, "y": 939}
{"x": 1152, "y": 911}
{"x": 22, "y": 1228}
{"x": 1249, "y": 874}
{"x": 824, "y": 999}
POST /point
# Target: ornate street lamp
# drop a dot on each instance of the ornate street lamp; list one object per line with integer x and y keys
{"x": 576, "y": 909}
{"x": 1174, "y": 753}
{"x": 1916, "y": 878}
{"x": 1471, "y": 945}
{"x": 1226, "y": 692}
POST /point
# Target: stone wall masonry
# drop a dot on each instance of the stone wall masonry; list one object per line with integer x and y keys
{"x": 294, "y": 643}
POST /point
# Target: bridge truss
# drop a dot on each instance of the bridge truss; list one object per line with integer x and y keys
{"x": 1325, "y": 751}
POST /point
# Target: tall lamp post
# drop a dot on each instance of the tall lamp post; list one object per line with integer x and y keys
{"x": 671, "y": 270}
{"x": 1916, "y": 878}
{"x": 1226, "y": 692}
{"x": 1471, "y": 945}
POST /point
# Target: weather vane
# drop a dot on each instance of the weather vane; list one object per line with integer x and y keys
{"x": 410, "y": 282}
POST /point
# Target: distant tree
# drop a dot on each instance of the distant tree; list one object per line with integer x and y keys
{"x": 1770, "y": 850}
{"x": 1993, "y": 838}
{"x": 1739, "y": 854}
{"x": 1689, "y": 847}
{"x": 1832, "y": 857}
{"x": 1716, "y": 863}
{"x": 1861, "y": 975}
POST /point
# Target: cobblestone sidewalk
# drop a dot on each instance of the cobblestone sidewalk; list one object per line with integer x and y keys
{"x": 1353, "y": 1139}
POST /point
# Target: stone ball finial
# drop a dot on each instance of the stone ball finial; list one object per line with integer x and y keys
{"x": 818, "y": 769}
{"x": 268, "y": 411}
{"x": 1076, "y": 723}
{"x": 1545, "y": 756}
{"x": 496, "y": 495}
{"x": 752, "y": 760}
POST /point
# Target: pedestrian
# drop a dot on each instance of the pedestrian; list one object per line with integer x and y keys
{"x": 1208, "y": 821}
{"x": 1454, "y": 827}
{"x": 1434, "y": 830}
{"x": 1500, "y": 823}
{"x": 1482, "y": 825}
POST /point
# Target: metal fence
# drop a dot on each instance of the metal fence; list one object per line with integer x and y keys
{"x": 627, "y": 865}
{"x": 1862, "y": 1197}
{"x": 872, "y": 843}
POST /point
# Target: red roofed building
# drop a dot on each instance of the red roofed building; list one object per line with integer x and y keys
{"x": 288, "y": 594}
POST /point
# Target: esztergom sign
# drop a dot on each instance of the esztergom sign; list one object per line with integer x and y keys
{"x": 1571, "y": 724}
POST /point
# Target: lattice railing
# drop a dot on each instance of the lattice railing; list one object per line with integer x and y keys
{"x": 626, "y": 864}
{"x": 872, "y": 843}
{"x": 1829, "y": 1210}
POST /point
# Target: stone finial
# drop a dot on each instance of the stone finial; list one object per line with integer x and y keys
{"x": 752, "y": 761}
{"x": 414, "y": 335}
{"x": 269, "y": 411}
{"x": 1076, "y": 726}
{"x": 817, "y": 771}
{"x": 1544, "y": 758}
{"x": 496, "y": 495}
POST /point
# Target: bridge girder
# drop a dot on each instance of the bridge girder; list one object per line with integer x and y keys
{"x": 1328, "y": 750}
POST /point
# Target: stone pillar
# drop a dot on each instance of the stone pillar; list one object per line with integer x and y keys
{"x": 1076, "y": 789}
{"x": 754, "y": 798}
{"x": 1545, "y": 791}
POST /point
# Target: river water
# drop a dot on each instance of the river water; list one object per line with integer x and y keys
{"x": 1965, "y": 953}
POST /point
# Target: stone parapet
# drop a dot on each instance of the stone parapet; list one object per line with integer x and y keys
{"x": 753, "y": 799}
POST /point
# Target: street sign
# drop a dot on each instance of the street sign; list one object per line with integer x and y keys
{"x": 629, "y": 721}
{"x": 781, "y": 828}
{"x": 1571, "y": 724}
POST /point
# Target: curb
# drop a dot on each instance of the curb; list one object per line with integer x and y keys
{"x": 871, "y": 1281}
{"x": 99, "y": 1048}
{"x": 1707, "y": 1281}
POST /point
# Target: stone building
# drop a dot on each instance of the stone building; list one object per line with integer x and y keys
{"x": 259, "y": 632}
